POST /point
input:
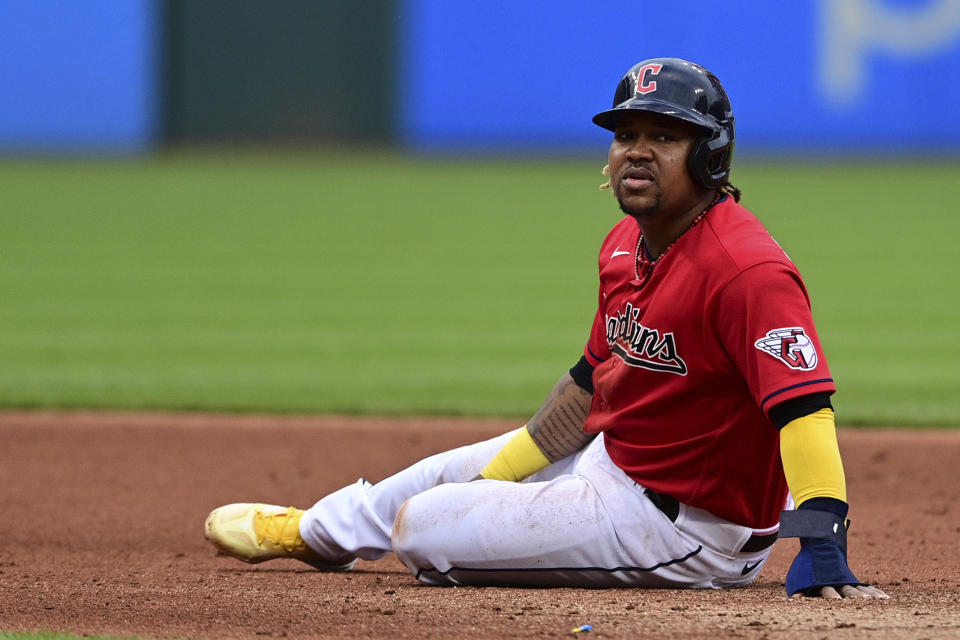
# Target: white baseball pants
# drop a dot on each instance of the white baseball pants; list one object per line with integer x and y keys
{"x": 581, "y": 522}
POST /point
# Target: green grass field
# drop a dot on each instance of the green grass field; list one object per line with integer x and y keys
{"x": 378, "y": 283}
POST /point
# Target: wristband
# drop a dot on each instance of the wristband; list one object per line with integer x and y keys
{"x": 821, "y": 525}
{"x": 519, "y": 458}
{"x": 811, "y": 458}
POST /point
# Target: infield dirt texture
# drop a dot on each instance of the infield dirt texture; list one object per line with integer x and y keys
{"x": 102, "y": 532}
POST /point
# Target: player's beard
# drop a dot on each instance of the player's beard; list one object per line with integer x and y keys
{"x": 640, "y": 213}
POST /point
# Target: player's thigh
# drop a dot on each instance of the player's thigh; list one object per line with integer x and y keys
{"x": 591, "y": 527}
{"x": 474, "y": 517}
{"x": 557, "y": 533}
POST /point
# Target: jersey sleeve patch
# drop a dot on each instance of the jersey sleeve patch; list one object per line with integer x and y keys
{"x": 791, "y": 346}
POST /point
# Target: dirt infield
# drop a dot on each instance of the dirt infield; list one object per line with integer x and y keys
{"x": 102, "y": 520}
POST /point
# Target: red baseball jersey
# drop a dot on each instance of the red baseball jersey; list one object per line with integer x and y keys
{"x": 689, "y": 361}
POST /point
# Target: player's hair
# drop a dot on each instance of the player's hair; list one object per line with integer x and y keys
{"x": 731, "y": 191}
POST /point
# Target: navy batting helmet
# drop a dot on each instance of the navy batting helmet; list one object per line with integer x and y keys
{"x": 686, "y": 91}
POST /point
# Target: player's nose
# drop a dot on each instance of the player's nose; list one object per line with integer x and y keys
{"x": 639, "y": 148}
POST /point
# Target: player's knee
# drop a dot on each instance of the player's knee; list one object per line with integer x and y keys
{"x": 399, "y": 532}
{"x": 419, "y": 537}
{"x": 405, "y": 541}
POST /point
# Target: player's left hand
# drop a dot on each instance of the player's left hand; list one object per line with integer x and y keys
{"x": 820, "y": 568}
{"x": 848, "y": 591}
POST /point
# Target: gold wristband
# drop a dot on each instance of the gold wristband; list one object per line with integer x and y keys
{"x": 519, "y": 458}
{"x": 811, "y": 458}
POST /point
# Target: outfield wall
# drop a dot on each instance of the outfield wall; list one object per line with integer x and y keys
{"x": 78, "y": 76}
{"x": 833, "y": 75}
{"x": 822, "y": 76}
{"x": 296, "y": 71}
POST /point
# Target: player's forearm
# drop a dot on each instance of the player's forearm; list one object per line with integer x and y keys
{"x": 556, "y": 431}
{"x": 557, "y": 428}
{"x": 811, "y": 458}
{"x": 814, "y": 472}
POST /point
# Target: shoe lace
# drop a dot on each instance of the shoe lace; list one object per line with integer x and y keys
{"x": 275, "y": 527}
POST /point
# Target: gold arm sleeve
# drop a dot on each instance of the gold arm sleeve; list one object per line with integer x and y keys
{"x": 519, "y": 458}
{"x": 811, "y": 458}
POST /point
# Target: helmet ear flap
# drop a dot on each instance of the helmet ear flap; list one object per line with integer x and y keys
{"x": 710, "y": 157}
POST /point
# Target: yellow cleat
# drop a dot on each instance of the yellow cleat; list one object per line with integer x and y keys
{"x": 260, "y": 532}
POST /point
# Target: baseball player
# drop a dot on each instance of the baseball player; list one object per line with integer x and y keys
{"x": 667, "y": 455}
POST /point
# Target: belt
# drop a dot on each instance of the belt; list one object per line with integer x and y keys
{"x": 671, "y": 508}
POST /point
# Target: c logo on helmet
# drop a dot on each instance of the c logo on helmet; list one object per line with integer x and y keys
{"x": 643, "y": 86}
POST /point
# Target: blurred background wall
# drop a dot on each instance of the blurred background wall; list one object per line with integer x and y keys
{"x": 79, "y": 76}
{"x": 836, "y": 76}
{"x": 294, "y": 70}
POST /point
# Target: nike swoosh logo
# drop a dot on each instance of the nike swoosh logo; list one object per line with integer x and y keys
{"x": 617, "y": 252}
{"x": 747, "y": 568}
